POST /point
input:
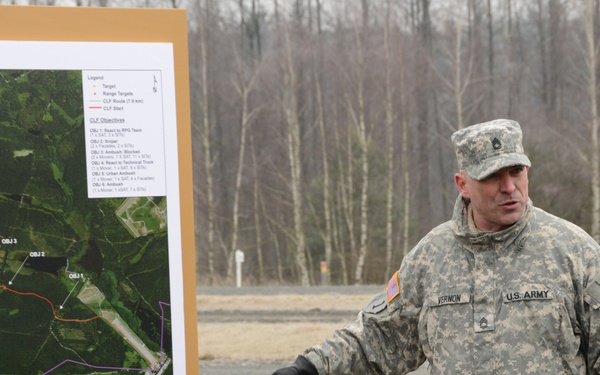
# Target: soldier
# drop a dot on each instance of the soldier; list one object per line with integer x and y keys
{"x": 502, "y": 288}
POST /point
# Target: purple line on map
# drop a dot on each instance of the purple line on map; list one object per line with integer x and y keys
{"x": 162, "y": 332}
{"x": 92, "y": 366}
{"x": 162, "y": 327}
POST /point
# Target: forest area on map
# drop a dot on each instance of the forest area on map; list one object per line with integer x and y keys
{"x": 84, "y": 283}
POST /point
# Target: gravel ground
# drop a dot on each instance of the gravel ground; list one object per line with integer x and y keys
{"x": 221, "y": 366}
{"x": 232, "y": 367}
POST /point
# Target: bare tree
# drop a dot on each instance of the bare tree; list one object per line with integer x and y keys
{"x": 355, "y": 118}
{"x": 592, "y": 61}
{"x": 244, "y": 89}
{"x": 514, "y": 54}
{"x": 425, "y": 99}
{"x": 290, "y": 107}
{"x": 205, "y": 131}
{"x": 457, "y": 84}
{"x": 328, "y": 232}
{"x": 542, "y": 35}
{"x": 360, "y": 121}
{"x": 257, "y": 199}
{"x": 346, "y": 198}
{"x": 389, "y": 124}
{"x": 491, "y": 88}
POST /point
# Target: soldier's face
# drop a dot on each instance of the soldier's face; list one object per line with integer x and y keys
{"x": 499, "y": 200}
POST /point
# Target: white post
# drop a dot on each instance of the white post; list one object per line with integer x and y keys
{"x": 239, "y": 259}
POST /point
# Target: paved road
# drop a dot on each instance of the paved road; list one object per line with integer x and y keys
{"x": 271, "y": 290}
{"x": 270, "y": 316}
{"x": 231, "y": 367}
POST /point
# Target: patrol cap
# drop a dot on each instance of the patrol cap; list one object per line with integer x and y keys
{"x": 485, "y": 148}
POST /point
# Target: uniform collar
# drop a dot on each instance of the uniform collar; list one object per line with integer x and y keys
{"x": 516, "y": 234}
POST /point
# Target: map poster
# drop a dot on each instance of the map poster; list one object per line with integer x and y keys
{"x": 90, "y": 249}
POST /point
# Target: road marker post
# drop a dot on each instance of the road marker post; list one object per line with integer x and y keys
{"x": 239, "y": 259}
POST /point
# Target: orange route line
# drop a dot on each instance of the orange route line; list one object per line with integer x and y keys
{"x": 51, "y": 305}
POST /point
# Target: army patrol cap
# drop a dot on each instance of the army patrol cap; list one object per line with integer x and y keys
{"x": 485, "y": 148}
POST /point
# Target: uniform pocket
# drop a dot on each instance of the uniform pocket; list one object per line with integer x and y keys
{"x": 449, "y": 310}
{"x": 531, "y": 311}
{"x": 534, "y": 319}
{"x": 445, "y": 327}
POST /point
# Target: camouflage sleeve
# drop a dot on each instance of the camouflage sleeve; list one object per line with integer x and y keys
{"x": 382, "y": 340}
{"x": 592, "y": 336}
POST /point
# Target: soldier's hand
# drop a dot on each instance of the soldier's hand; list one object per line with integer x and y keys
{"x": 301, "y": 366}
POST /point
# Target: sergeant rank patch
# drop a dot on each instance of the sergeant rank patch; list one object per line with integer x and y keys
{"x": 393, "y": 288}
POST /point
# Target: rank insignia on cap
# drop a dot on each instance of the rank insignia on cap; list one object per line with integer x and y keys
{"x": 496, "y": 144}
{"x": 393, "y": 289}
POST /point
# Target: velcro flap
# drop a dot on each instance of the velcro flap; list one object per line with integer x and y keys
{"x": 592, "y": 293}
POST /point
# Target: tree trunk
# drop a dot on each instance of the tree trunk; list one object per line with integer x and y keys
{"x": 244, "y": 90}
{"x": 543, "y": 56}
{"x": 344, "y": 211}
{"x": 206, "y": 145}
{"x": 328, "y": 235}
{"x": 458, "y": 87}
{"x": 407, "y": 189}
{"x": 514, "y": 55}
{"x": 257, "y": 206}
{"x": 293, "y": 144}
{"x": 592, "y": 92}
{"x": 364, "y": 145}
{"x": 389, "y": 125}
{"x": 491, "y": 88}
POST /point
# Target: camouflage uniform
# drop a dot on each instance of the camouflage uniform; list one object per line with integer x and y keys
{"x": 524, "y": 300}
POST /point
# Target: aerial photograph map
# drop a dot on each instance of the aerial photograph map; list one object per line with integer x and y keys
{"x": 84, "y": 283}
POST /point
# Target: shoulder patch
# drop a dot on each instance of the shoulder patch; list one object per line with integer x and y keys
{"x": 393, "y": 288}
{"x": 376, "y": 305}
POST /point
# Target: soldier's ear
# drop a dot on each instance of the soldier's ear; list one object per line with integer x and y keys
{"x": 460, "y": 179}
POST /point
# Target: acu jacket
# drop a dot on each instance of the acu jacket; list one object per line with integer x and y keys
{"x": 525, "y": 300}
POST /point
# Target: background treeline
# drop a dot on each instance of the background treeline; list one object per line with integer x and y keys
{"x": 321, "y": 127}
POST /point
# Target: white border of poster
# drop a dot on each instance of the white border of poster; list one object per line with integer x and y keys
{"x": 123, "y": 56}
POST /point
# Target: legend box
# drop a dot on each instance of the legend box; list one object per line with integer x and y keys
{"x": 124, "y": 133}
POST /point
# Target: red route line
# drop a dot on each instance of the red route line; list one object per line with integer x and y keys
{"x": 51, "y": 305}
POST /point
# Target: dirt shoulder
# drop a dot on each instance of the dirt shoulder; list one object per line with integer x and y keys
{"x": 254, "y": 331}
{"x": 274, "y": 323}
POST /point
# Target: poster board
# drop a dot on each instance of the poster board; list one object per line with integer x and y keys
{"x": 97, "y": 242}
